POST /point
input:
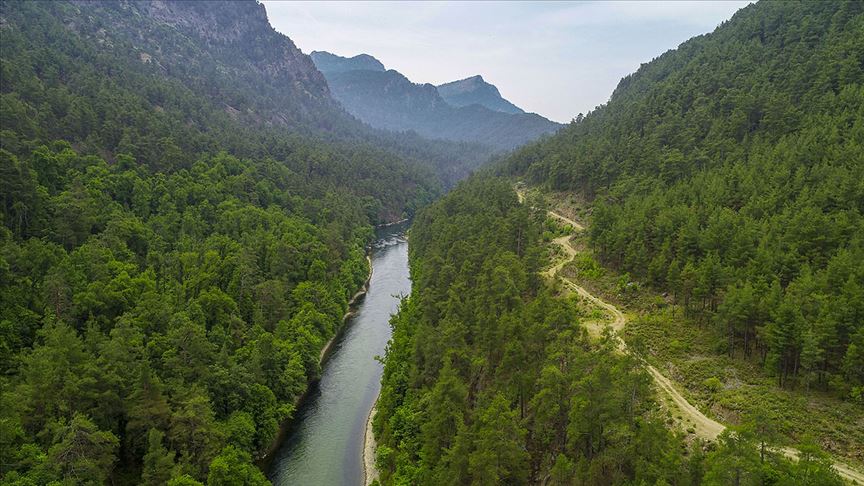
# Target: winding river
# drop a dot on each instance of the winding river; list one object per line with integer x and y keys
{"x": 324, "y": 445}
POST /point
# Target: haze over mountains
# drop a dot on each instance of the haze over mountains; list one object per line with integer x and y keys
{"x": 476, "y": 91}
{"x": 468, "y": 110}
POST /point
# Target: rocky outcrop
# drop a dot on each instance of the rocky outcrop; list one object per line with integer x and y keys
{"x": 194, "y": 40}
{"x": 476, "y": 91}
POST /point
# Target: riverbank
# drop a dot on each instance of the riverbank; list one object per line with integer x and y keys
{"x": 370, "y": 472}
{"x": 325, "y": 351}
{"x": 325, "y": 440}
{"x": 263, "y": 461}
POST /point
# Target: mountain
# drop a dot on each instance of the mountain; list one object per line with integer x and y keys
{"x": 203, "y": 44}
{"x": 388, "y": 100}
{"x": 184, "y": 213}
{"x": 728, "y": 173}
{"x": 332, "y": 63}
{"x": 476, "y": 91}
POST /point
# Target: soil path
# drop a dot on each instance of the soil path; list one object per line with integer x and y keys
{"x": 703, "y": 426}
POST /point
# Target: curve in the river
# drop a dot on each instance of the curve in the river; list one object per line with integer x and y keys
{"x": 324, "y": 445}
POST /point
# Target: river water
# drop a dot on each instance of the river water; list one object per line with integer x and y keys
{"x": 324, "y": 445}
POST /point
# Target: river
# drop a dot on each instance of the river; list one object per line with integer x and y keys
{"x": 324, "y": 445}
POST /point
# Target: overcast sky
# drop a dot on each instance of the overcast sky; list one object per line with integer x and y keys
{"x": 554, "y": 58}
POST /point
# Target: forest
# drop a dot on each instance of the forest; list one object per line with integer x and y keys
{"x": 169, "y": 268}
{"x": 490, "y": 378}
{"x": 172, "y": 322}
{"x": 729, "y": 174}
{"x": 186, "y": 211}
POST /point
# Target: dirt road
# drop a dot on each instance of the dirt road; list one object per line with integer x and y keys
{"x": 703, "y": 426}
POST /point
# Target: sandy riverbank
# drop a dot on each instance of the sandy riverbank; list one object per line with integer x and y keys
{"x": 369, "y": 469}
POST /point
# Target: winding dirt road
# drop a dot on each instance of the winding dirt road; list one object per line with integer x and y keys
{"x": 703, "y": 426}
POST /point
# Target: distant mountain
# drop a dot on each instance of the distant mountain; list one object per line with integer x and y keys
{"x": 387, "y": 99}
{"x": 476, "y": 91}
{"x": 337, "y": 64}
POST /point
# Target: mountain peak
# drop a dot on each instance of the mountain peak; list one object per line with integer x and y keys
{"x": 475, "y": 90}
{"x": 327, "y": 62}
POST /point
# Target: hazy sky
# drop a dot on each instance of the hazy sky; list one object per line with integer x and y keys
{"x": 554, "y": 58}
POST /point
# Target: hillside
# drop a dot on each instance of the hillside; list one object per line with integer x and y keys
{"x": 728, "y": 174}
{"x": 476, "y": 91}
{"x": 492, "y": 376}
{"x": 388, "y": 100}
{"x": 189, "y": 76}
{"x": 184, "y": 211}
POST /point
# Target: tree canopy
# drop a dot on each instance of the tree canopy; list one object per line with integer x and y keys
{"x": 491, "y": 379}
{"x": 730, "y": 172}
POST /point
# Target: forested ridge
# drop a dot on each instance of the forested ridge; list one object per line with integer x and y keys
{"x": 491, "y": 378}
{"x": 183, "y": 217}
{"x": 111, "y": 77}
{"x": 730, "y": 173}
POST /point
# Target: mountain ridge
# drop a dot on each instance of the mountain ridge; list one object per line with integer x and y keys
{"x": 475, "y": 90}
{"x": 329, "y": 62}
{"x": 387, "y": 99}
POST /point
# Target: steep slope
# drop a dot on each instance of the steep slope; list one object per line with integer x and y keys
{"x": 213, "y": 75}
{"x": 389, "y": 100}
{"x": 228, "y": 48}
{"x": 492, "y": 378}
{"x": 729, "y": 173}
{"x": 476, "y": 91}
{"x": 184, "y": 211}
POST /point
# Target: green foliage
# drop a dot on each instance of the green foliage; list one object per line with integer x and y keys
{"x": 232, "y": 468}
{"x": 488, "y": 379}
{"x": 158, "y": 467}
{"x": 184, "y": 480}
{"x": 81, "y": 453}
{"x": 729, "y": 172}
{"x": 179, "y": 237}
{"x": 201, "y": 315}
{"x": 713, "y": 384}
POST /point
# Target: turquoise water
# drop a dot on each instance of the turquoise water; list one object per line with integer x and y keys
{"x": 324, "y": 445}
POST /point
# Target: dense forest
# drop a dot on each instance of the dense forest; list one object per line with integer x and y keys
{"x": 183, "y": 218}
{"x": 186, "y": 210}
{"x": 491, "y": 379}
{"x": 730, "y": 173}
{"x": 152, "y": 319}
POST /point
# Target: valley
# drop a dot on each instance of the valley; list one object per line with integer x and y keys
{"x": 207, "y": 274}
